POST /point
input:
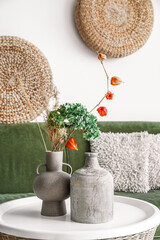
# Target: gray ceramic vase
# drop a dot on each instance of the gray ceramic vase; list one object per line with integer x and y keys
{"x": 53, "y": 185}
{"x": 91, "y": 192}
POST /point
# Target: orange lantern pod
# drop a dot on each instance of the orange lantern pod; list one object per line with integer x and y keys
{"x": 109, "y": 95}
{"x": 71, "y": 144}
{"x": 102, "y": 111}
{"x": 115, "y": 81}
{"x": 101, "y": 56}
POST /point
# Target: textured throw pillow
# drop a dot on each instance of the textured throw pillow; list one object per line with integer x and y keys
{"x": 125, "y": 155}
{"x": 154, "y": 162}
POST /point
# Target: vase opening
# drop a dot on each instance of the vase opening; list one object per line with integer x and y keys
{"x": 91, "y": 160}
{"x": 54, "y": 161}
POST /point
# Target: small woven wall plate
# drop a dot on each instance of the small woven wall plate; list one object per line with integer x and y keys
{"x": 116, "y": 28}
{"x": 25, "y": 80}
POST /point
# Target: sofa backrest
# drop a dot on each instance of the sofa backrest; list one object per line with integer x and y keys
{"x": 21, "y": 150}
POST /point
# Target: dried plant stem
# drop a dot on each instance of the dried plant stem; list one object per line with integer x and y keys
{"x": 28, "y": 103}
{"x": 106, "y": 76}
{"x": 98, "y": 103}
{"x": 107, "y": 88}
{"x": 42, "y": 136}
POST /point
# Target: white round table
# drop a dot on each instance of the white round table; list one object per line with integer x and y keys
{"x": 22, "y": 218}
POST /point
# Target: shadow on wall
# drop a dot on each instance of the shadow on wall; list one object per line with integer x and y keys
{"x": 70, "y": 24}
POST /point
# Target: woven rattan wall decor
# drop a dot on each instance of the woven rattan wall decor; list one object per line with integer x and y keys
{"x": 25, "y": 76}
{"x": 116, "y": 28}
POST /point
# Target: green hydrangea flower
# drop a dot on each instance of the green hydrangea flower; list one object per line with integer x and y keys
{"x": 76, "y": 116}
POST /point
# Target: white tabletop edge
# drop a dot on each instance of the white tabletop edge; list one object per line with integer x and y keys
{"x": 78, "y": 235}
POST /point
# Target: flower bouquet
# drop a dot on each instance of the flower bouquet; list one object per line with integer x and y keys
{"x": 53, "y": 186}
{"x": 62, "y": 122}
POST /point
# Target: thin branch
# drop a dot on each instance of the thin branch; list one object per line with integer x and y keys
{"x": 28, "y": 103}
{"x": 98, "y": 103}
{"x": 107, "y": 87}
{"x": 106, "y": 76}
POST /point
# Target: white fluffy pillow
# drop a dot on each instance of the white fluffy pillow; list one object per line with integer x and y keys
{"x": 125, "y": 155}
{"x": 154, "y": 162}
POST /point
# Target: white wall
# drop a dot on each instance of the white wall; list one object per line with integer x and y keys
{"x": 49, "y": 24}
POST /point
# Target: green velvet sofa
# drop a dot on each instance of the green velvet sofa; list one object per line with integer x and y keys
{"x": 21, "y": 150}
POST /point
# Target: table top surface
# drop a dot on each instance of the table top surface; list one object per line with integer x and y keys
{"x": 22, "y": 218}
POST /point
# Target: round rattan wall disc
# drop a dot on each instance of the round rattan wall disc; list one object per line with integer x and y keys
{"x": 25, "y": 80}
{"x": 116, "y": 28}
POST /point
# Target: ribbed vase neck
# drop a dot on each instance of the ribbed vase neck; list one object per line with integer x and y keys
{"x": 54, "y": 161}
{"x": 91, "y": 160}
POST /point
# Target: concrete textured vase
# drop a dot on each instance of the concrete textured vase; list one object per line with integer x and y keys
{"x": 91, "y": 192}
{"x": 53, "y": 185}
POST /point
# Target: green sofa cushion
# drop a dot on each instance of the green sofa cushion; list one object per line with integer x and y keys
{"x": 13, "y": 196}
{"x": 153, "y": 196}
{"x": 21, "y": 150}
